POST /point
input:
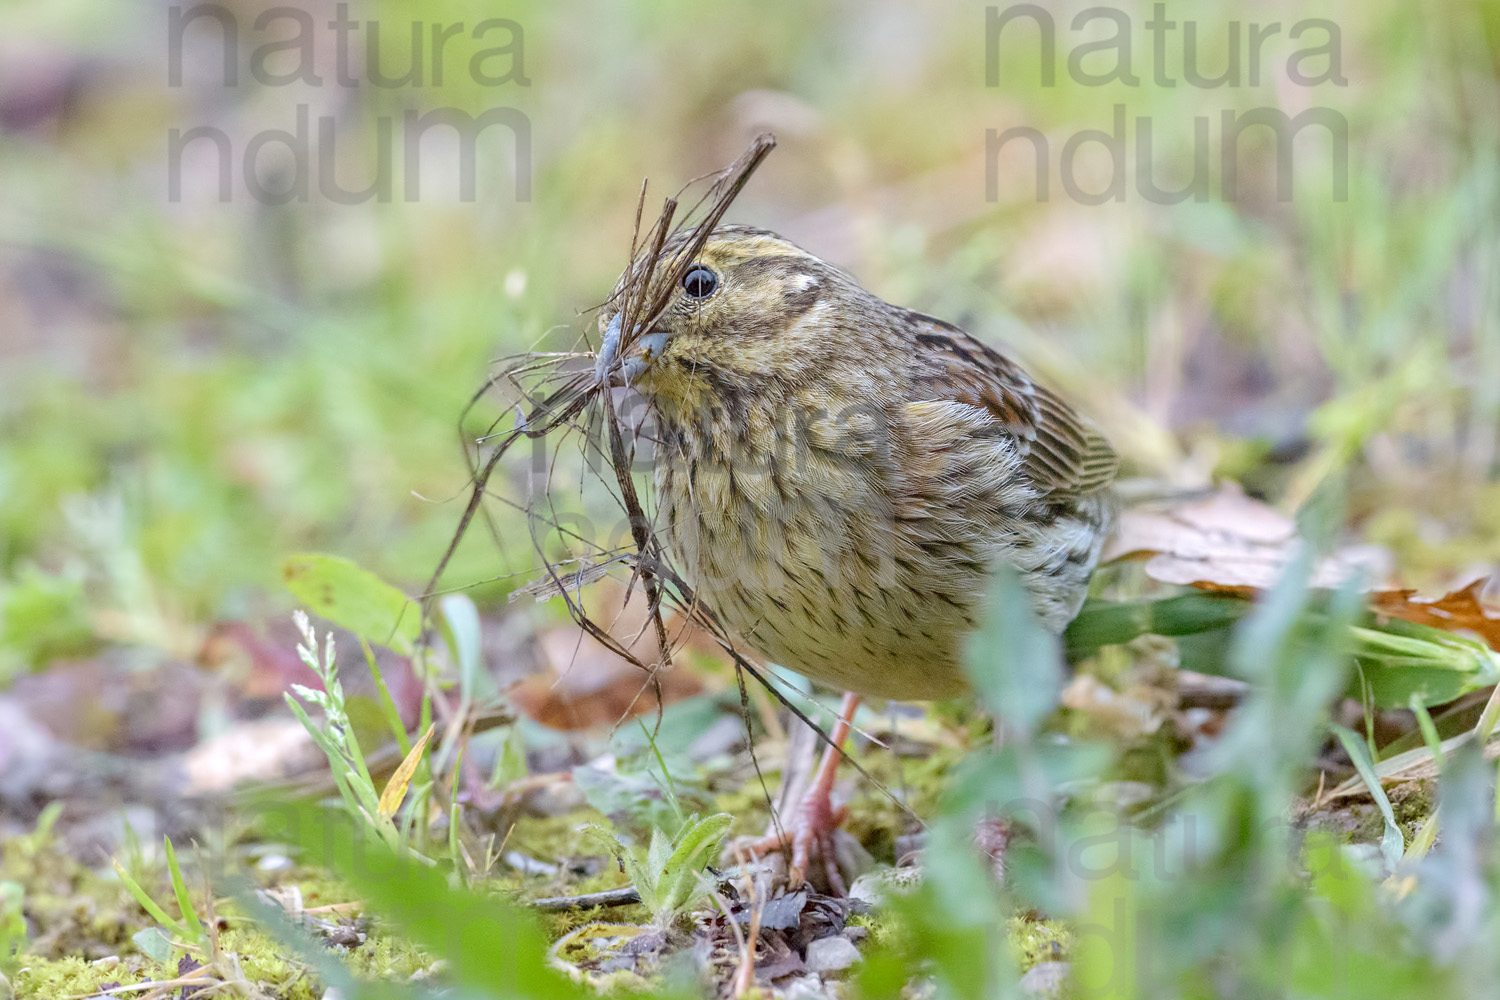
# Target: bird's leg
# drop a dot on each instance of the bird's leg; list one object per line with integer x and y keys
{"x": 992, "y": 835}
{"x": 816, "y": 818}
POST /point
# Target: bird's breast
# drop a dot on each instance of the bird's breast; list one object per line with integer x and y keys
{"x": 792, "y": 534}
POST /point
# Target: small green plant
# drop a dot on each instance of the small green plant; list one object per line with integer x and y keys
{"x": 668, "y": 875}
{"x": 336, "y": 736}
{"x": 29, "y": 845}
{"x": 188, "y": 931}
{"x": 12, "y": 929}
{"x": 218, "y": 972}
{"x": 378, "y": 613}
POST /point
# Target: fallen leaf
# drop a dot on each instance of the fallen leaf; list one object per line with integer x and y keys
{"x": 395, "y": 789}
{"x": 587, "y": 684}
{"x": 778, "y": 914}
{"x": 1467, "y": 609}
{"x": 1229, "y": 542}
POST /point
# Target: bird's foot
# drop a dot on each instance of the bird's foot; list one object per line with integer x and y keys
{"x": 811, "y": 836}
{"x": 816, "y": 821}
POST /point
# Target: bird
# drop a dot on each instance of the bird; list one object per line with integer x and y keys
{"x": 838, "y": 477}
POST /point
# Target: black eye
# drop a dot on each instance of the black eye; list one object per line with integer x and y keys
{"x": 699, "y": 282}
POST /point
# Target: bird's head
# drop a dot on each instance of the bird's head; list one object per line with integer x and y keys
{"x": 751, "y": 313}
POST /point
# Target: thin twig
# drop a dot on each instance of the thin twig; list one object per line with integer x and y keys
{"x": 623, "y": 896}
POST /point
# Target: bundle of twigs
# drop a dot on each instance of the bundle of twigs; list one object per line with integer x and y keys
{"x": 563, "y": 395}
{"x": 573, "y": 391}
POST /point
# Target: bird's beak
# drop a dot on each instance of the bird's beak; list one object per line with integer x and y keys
{"x": 643, "y": 350}
{"x": 610, "y": 346}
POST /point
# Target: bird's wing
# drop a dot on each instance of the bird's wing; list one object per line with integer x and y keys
{"x": 1062, "y": 451}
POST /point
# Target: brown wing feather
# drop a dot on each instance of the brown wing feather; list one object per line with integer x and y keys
{"x": 1064, "y": 451}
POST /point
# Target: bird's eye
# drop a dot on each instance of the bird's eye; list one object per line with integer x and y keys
{"x": 700, "y": 281}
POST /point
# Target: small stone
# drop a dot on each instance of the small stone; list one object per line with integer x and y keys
{"x": 1045, "y": 980}
{"x": 556, "y": 798}
{"x": 872, "y": 888}
{"x": 831, "y": 954}
{"x": 802, "y": 988}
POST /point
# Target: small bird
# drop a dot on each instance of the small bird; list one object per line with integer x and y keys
{"x": 837, "y": 476}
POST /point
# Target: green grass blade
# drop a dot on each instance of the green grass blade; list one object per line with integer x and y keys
{"x": 179, "y": 888}
{"x": 150, "y": 905}
{"x": 1392, "y": 843}
{"x": 387, "y": 703}
{"x": 1429, "y": 729}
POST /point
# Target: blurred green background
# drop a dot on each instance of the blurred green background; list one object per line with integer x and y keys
{"x": 191, "y": 388}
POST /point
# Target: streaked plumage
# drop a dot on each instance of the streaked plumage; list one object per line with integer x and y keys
{"x": 836, "y": 474}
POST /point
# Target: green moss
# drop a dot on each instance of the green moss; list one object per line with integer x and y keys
{"x": 79, "y": 915}
{"x": 881, "y": 932}
{"x": 1412, "y": 802}
{"x": 73, "y": 909}
{"x": 917, "y": 781}
{"x": 1359, "y": 821}
{"x": 72, "y": 976}
{"x": 556, "y": 839}
{"x": 1037, "y": 941}
{"x": 558, "y": 924}
{"x": 747, "y": 803}
{"x": 262, "y": 960}
{"x": 389, "y": 957}
{"x": 586, "y": 947}
{"x": 1032, "y": 941}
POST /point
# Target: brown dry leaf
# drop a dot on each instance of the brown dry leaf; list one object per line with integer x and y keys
{"x": 395, "y": 789}
{"x": 588, "y": 685}
{"x": 1468, "y": 609}
{"x": 1228, "y": 542}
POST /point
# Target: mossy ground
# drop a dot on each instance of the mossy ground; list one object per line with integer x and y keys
{"x": 81, "y": 922}
{"x": 81, "y": 918}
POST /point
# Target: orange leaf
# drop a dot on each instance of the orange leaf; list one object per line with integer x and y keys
{"x": 395, "y": 789}
{"x": 1464, "y": 610}
{"x": 588, "y": 685}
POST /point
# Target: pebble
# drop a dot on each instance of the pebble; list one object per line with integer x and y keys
{"x": 274, "y": 863}
{"x": 803, "y": 988}
{"x": 1045, "y": 980}
{"x": 831, "y": 954}
{"x": 872, "y": 887}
